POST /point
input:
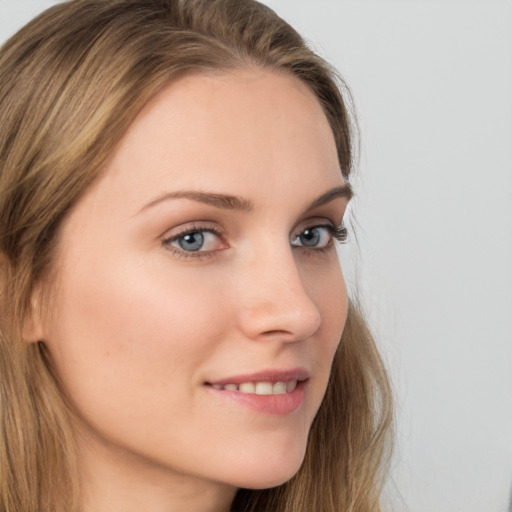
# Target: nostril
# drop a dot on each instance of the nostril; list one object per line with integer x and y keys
{"x": 275, "y": 333}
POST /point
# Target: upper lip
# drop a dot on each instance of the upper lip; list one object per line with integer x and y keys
{"x": 269, "y": 375}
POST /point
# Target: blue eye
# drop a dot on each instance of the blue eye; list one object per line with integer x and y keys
{"x": 204, "y": 241}
{"x": 191, "y": 241}
{"x": 195, "y": 240}
{"x": 319, "y": 237}
{"x": 311, "y": 237}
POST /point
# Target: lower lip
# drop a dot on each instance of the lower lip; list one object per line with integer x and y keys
{"x": 277, "y": 405}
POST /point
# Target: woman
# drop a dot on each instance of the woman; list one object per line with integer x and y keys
{"x": 173, "y": 179}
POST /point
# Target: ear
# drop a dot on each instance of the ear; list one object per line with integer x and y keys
{"x": 32, "y": 330}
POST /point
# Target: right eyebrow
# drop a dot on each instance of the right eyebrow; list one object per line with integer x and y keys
{"x": 223, "y": 201}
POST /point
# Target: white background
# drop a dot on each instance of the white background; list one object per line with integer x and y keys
{"x": 432, "y": 82}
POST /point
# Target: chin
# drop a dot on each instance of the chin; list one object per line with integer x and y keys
{"x": 269, "y": 471}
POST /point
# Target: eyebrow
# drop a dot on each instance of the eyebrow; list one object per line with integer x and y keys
{"x": 223, "y": 201}
{"x": 344, "y": 191}
{"x": 229, "y": 202}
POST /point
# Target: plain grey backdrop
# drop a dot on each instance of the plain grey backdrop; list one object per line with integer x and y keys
{"x": 432, "y": 83}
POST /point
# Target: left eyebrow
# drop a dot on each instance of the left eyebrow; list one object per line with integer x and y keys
{"x": 344, "y": 190}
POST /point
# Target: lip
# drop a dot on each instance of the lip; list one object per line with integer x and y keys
{"x": 269, "y": 375}
{"x": 273, "y": 405}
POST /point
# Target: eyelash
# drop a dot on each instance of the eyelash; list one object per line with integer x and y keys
{"x": 338, "y": 234}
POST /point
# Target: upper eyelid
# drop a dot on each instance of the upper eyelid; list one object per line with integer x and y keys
{"x": 178, "y": 231}
{"x": 316, "y": 222}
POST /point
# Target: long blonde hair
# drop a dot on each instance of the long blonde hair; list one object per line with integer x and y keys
{"x": 72, "y": 81}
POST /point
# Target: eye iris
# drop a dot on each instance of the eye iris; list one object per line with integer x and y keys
{"x": 191, "y": 241}
{"x": 310, "y": 237}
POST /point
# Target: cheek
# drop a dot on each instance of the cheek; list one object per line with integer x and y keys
{"x": 326, "y": 287}
{"x": 126, "y": 341}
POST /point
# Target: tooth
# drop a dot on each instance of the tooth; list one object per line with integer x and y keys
{"x": 291, "y": 385}
{"x": 263, "y": 388}
{"x": 260, "y": 388}
{"x": 279, "y": 388}
{"x": 246, "y": 387}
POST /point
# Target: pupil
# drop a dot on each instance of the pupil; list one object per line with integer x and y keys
{"x": 191, "y": 242}
{"x": 310, "y": 237}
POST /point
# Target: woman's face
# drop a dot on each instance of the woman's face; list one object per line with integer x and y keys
{"x": 199, "y": 274}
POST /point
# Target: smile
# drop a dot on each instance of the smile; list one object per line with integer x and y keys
{"x": 259, "y": 388}
{"x": 272, "y": 392}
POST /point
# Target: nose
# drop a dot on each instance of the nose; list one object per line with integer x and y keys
{"x": 275, "y": 304}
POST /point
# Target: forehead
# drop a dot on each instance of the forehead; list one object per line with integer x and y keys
{"x": 201, "y": 117}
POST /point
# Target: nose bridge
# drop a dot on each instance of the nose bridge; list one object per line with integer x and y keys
{"x": 275, "y": 301}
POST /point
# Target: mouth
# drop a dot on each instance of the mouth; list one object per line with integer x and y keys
{"x": 271, "y": 392}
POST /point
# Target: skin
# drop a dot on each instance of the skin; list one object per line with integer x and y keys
{"x": 139, "y": 325}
